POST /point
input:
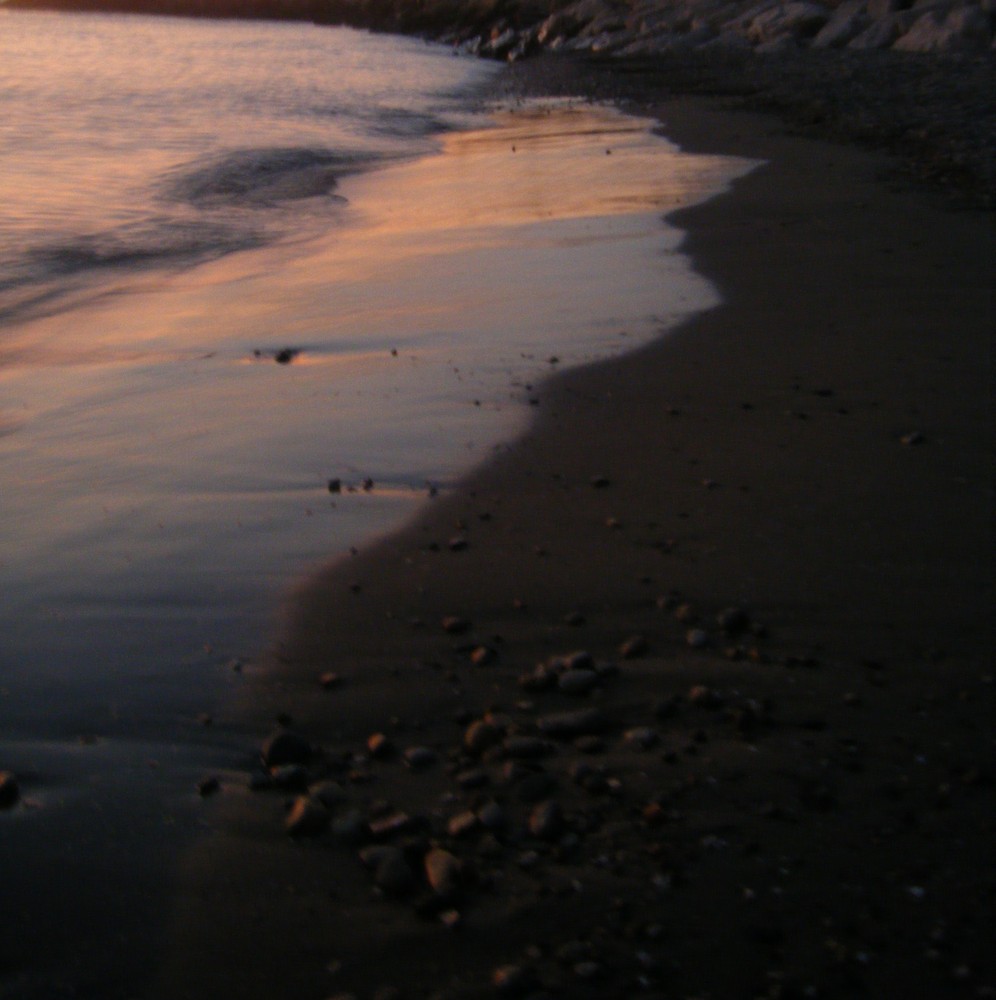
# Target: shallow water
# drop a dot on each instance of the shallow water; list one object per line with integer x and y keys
{"x": 220, "y": 192}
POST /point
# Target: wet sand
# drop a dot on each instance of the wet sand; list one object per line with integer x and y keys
{"x": 802, "y": 806}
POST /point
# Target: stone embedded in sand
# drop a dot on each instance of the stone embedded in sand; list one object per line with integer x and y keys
{"x": 457, "y": 543}
{"x": 492, "y": 816}
{"x": 526, "y": 747}
{"x": 732, "y": 620}
{"x": 686, "y": 614}
{"x": 577, "y": 681}
{"x": 208, "y": 786}
{"x": 286, "y": 747}
{"x": 481, "y": 656}
{"x": 351, "y": 828}
{"x": 568, "y": 725}
{"x": 511, "y": 980}
{"x": 600, "y": 482}
{"x": 329, "y": 793}
{"x": 546, "y": 821}
{"x": 476, "y": 777}
{"x": 420, "y": 758}
{"x": 443, "y": 872}
{"x": 643, "y": 737}
{"x": 10, "y": 791}
{"x": 914, "y": 437}
{"x": 635, "y": 646}
{"x": 307, "y": 818}
{"x": 455, "y": 625}
{"x": 394, "y": 823}
{"x": 697, "y": 638}
{"x": 379, "y": 746}
{"x": 289, "y": 776}
{"x": 394, "y": 875}
{"x": 702, "y": 696}
{"x": 329, "y": 680}
{"x": 462, "y": 824}
{"x": 481, "y": 735}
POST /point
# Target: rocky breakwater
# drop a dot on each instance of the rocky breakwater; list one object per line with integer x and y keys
{"x": 646, "y": 27}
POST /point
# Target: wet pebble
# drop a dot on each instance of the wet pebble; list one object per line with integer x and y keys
{"x": 481, "y": 656}
{"x": 697, "y": 638}
{"x": 480, "y": 736}
{"x": 634, "y": 647}
{"x": 393, "y": 874}
{"x": 443, "y": 871}
{"x": 208, "y": 786}
{"x": 420, "y": 758}
{"x": 307, "y": 818}
{"x": 286, "y": 747}
{"x": 351, "y": 828}
{"x": 463, "y": 824}
{"x": 10, "y": 791}
{"x": 546, "y": 821}
{"x": 642, "y": 737}
{"x": 526, "y": 747}
{"x": 455, "y": 625}
{"x": 568, "y": 725}
{"x": 577, "y": 681}
{"x": 512, "y": 980}
{"x": 492, "y": 816}
{"x": 380, "y": 746}
{"x": 329, "y": 793}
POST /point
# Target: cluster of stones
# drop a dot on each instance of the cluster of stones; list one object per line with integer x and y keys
{"x": 647, "y": 27}
{"x": 548, "y": 783}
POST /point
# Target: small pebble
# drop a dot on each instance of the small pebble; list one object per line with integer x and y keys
{"x": 307, "y": 818}
{"x": 286, "y": 747}
{"x": 10, "y": 791}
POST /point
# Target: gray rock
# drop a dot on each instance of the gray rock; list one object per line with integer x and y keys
{"x": 351, "y": 828}
{"x": 492, "y": 816}
{"x": 847, "y": 22}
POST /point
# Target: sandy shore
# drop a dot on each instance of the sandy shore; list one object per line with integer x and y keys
{"x": 800, "y": 807}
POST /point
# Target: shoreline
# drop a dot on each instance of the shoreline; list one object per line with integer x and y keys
{"x": 811, "y": 792}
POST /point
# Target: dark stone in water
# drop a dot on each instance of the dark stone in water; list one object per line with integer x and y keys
{"x": 286, "y": 355}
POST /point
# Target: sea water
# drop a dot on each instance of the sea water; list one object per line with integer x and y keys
{"x": 265, "y": 289}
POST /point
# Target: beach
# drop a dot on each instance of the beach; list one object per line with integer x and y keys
{"x": 687, "y": 690}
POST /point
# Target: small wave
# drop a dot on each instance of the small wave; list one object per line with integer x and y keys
{"x": 261, "y": 176}
{"x": 404, "y": 123}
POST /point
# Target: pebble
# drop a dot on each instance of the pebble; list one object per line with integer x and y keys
{"x": 546, "y": 820}
{"x": 443, "y": 871}
{"x": 457, "y": 543}
{"x": 634, "y": 647}
{"x": 329, "y": 793}
{"x": 643, "y": 737}
{"x": 480, "y": 736}
{"x": 914, "y": 437}
{"x": 379, "y": 746}
{"x": 10, "y": 791}
{"x": 577, "y": 681}
{"x": 476, "y": 777}
{"x": 463, "y": 824}
{"x": 329, "y": 680}
{"x": 536, "y": 786}
{"x": 702, "y": 696}
{"x": 697, "y": 638}
{"x": 307, "y": 818}
{"x": 351, "y": 828}
{"x": 391, "y": 825}
{"x": 208, "y": 786}
{"x": 492, "y": 816}
{"x": 394, "y": 875}
{"x": 289, "y": 776}
{"x": 600, "y": 482}
{"x": 732, "y": 620}
{"x": 455, "y": 625}
{"x": 511, "y": 980}
{"x": 420, "y": 758}
{"x": 526, "y": 747}
{"x": 286, "y": 747}
{"x": 481, "y": 656}
{"x": 568, "y": 725}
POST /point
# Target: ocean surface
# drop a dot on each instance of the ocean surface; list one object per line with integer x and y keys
{"x": 265, "y": 289}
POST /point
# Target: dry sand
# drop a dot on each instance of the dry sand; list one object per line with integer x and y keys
{"x": 807, "y": 808}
